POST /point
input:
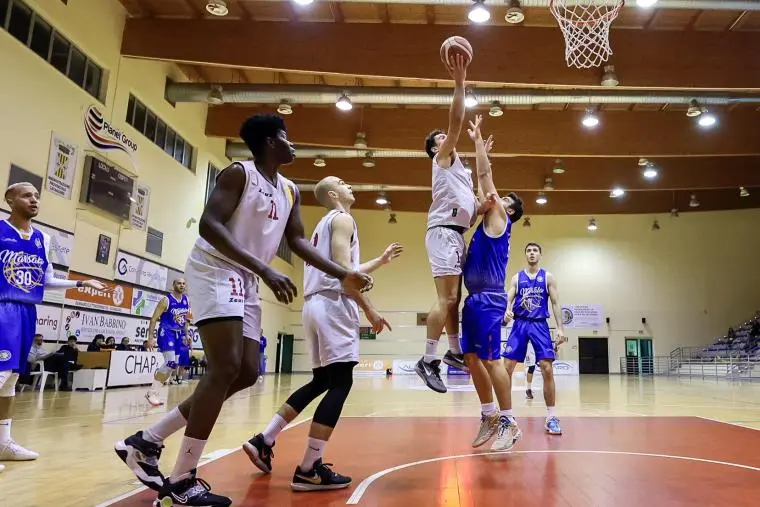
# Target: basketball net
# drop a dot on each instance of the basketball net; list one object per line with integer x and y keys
{"x": 586, "y": 27}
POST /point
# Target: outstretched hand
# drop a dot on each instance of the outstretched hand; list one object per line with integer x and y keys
{"x": 474, "y": 130}
{"x": 457, "y": 67}
{"x": 393, "y": 251}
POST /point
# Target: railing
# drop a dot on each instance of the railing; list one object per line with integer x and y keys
{"x": 679, "y": 363}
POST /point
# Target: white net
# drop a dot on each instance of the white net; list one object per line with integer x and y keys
{"x": 586, "y": 27}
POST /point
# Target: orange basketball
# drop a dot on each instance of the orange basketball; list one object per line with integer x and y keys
{"x": 453, "y": 46}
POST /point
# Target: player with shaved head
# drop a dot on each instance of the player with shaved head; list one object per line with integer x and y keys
{"x": 331, "y": 326}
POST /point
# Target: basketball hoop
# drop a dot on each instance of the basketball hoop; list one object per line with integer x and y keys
{"x": 586, "y": 27}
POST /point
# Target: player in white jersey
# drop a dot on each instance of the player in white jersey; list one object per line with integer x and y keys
{"x": 331, "y": 328}
{"x": 452, "y": 213}
{"x": 249, "y": 212}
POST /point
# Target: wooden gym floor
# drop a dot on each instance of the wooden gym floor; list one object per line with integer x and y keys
{"x": 626, "y": 442}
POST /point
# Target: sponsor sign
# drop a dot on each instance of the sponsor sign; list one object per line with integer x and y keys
{"x": 62, "y": 166}
{"x": 373, "y": 366}
{"x": 105, "y": 137}
{"x": 138, "y": 271}
{"x": 115, "y": 298}
{"x": 61, "y": 242}
{"x": 138, "y": 215}
{"x": 404, "y": 366}
{"x": 133, "y": 368}
{"x": 583, "y": 316}
{"x": 568, "y": 368}
{"x": 48, "y": 321}
{"x": 144, "y": 302}
{"x": 85, "y": 325}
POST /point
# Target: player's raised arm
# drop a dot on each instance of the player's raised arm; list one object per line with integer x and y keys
{"x": 302, "y": 247}
{"x": 391, "y": 252}
{"x": 458, "y": 70}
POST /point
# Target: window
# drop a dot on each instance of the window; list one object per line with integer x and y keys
{"x": 33, "y": 31}
{"x": 159, "y": 133}
{"x": 211, "y": 176}
{"x": 154, "y": 242}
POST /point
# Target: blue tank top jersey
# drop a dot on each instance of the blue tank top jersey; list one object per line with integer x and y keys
{"x": 532, "y": 296}
{"x": 485, "y": 265}
{"x": 23, "y": 262}
{"x": 173, "y": 319}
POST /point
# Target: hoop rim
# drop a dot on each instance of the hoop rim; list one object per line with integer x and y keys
{"x": 607, "y": 17}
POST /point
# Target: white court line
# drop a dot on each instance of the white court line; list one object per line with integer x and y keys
{"x": 210, "y": 458}
{"x": 726, "y": 422}
{"x": 366, "y": 483}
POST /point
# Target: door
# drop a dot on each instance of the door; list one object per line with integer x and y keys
{"x": 632, "y": 356}
{"x": 639, "y": 354}
{"x": 287, "y": 353}
{"x": 593, "y": 356}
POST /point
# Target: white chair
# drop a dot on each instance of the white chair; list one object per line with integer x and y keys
{"x": 41, "y": 376}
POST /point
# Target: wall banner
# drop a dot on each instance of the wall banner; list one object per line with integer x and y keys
{"x": 133, "y": 368}
{"x": 86, "y": 324}
{"x": 48, "y": 321}
{"x": 139, "y": 271}
{"x": 104, "y": 137}
{"x": 62, "y": 166}
{"x": 115, "y": 298}
{"x": 583, "y": 316}
{"x": 138, "y": 215}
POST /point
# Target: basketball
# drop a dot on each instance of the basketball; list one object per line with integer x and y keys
{"x": 453, "y": 46}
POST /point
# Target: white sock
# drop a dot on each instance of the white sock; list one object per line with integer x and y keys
{"x": 169, "y": 424}
{"x": 488, "y": 408}
{"x": 506, "y": 413}
{"x": 276, "y": 425}
{"x": 454, "y": 346}
{"x": 189, "y": 455}
{"x": 431, "y": 350}
{"x": 5, "y": 430}
{"x": 314, "y": 451}
{"x": 550, "y": 412}
{"x": 528, "y": 383}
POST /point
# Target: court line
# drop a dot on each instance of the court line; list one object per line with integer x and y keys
{"x": 215, "y": 455}
{"x": 366, "y": 483}
{"x": 726, "y": 422}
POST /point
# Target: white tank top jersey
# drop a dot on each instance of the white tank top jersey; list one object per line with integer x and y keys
{"x": 454, "y": 200}
{"x": 258, "y": 223}
{"x": 315, "y": 280}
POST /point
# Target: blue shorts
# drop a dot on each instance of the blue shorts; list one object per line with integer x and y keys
{"x": 169, "y": 340}
{"x": 18, "y": 322}
{"x": 183, "y": 356}
{"x": 482, "y": 316}
{"x": 535, "y": 331}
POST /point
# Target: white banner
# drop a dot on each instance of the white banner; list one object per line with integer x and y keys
{"x": 85, "y": 325}
{"x": 133, "y": 368}
{"x": 568, "y": 368}
{"x": 197, "y": 345}
{"x": 61, "y": 242}
{"x": 144, "y": 302}
{"x": 62, "y": 166}
{"x": 133, "y": 269}
{"x": 48, "y": 321}
{"x": 138, "y": 215}
{"x": 583, "y": 316}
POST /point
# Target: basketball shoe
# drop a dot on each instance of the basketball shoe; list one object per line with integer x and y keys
{"x": 529, "y": 393}
{"x": 12, "y": 451}
{"x": 318, "y": 478}
{"x": 488, "y": 426}
{"x": 552, "y": 426}
{"x": 142, "y": 458}
{"x": 430, "y": 373}
{"x": 191, "y": 491}
{"x": 455, "y": 361}
{"x": 259, "y": 453}
{"x": 153, "y": 399}
{"x": 507, "y": 435}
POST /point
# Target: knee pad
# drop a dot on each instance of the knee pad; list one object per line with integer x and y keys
{"x": 341, "y": 380}
{"x": 8, "y": 381}
{"x": 304, "y": 395}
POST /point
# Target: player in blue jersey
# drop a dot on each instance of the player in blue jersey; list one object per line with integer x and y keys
{"x": 25, "y": 273}
{"x": 484, "y": 275}
{"x": 174, "y": 327}
{"x": 529, "y": 293}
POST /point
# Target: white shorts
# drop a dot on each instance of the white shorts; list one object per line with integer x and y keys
{"x": 218, "y": 290}
{"x": 331, "y": 328}
{"x": 445, "y": 249}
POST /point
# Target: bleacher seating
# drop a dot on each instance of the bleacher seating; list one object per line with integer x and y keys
{"x": 742, "y": 344}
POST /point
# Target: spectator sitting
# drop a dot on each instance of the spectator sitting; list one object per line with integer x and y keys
{"x": 70, "y": 353}
{"x": 148, "y": 346}
{"x": 124, "y": 345}
{"x": 53, "y": 361}
{"x": 110, "y": 343}
{"x": 97, "y": 343}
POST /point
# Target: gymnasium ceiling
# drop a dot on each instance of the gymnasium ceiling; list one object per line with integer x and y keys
{"x": 385, "y": 56}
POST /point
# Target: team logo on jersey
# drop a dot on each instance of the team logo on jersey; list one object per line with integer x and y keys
{"x": 22, "y": 270}
{"x": 531, "y": 298}
{"x": 37, "y": 243}
{"x": 540, "y": 279}
{"x": 5, "y": 355}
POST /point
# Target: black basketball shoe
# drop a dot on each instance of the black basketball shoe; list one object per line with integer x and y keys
{"x": 259, "y": 453}
{"x": 320, "y": 477}
{"x": 142, "y": 458}
{"x": 190, "y": 491}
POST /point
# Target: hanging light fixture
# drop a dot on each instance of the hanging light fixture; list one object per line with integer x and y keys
{"x": 655, "y": 225}
{"x": 541, "y": 199}
{"x": 526, "y": 222}
{"x": 694, "y": 109}
{"x": 215, "y": 95}
{"x": 590, "y": 119}
{"x": 344, "y": 103}
{"x": 514, "y": 13}
{"x": 361, "y": 141}
{"x": 369, "y": 160}
{"x": 470, "y": 100}
{"x": 478, "y": 13}
{"x": 382, "y": 199}
{"x": 496, "y": 109}
{"x": 392, "y": 219}
{"x": 592, "y": 225}
{"x": 649, "y": 172}
{"x": 609, "y": 78}
{"x": 558, "y": 167}
{"x": 319, "y": 161}
{"x": 693, "y": 202}
{"x": 217, "y": 7}
{"x": 743, "y": 192}
{"x": 548, "y": 183}
{"x": 707, "y": 120}
{"x": 617, "y": 192}
{"x": 284, "y": 108}
{"x": 645, "y": 3}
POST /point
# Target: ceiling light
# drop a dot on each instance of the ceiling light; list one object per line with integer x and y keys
{"x": 707, "y": 120}
{"x": 693, "y": 202}
{"x": 558, "y": 167}
{"x": 643, "y": 162}
{"x": 319, "y": 162}
{"x": 548, "y": 184}
{"x": 609, "y": 78}
{"x": 743, "y": 192}
{"x": 645, "y": 3}
{"x": 392, "y": 219}
{"x": 344, "y": 103}
{"x": 592, "y": 225}
{"x": 303, "y": 2}
{"x": 694, "y": 109}
{"x": 496, "y": 109}
{"x": 526, "y": 222}
{"x": 655, "y": 226}
{"x": 478, "y": 13}
{"x": 514, "y": 13}
{"x": 470, "y": 100}
{"x": 217, "y": 7}
{"x": 368, "y": 161}
{"x": 674, "y": 213}
{"x": 284, "y": 108}
{"x": 215, "y": 95}
{"x": 650, "y": 172}
{"x": 590, "y": 119}
{"x": 541, "y": 199}
{"x": 361, "y": 141}
{"x": 617, "y": 192}
{"x": 382, "y": 199}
